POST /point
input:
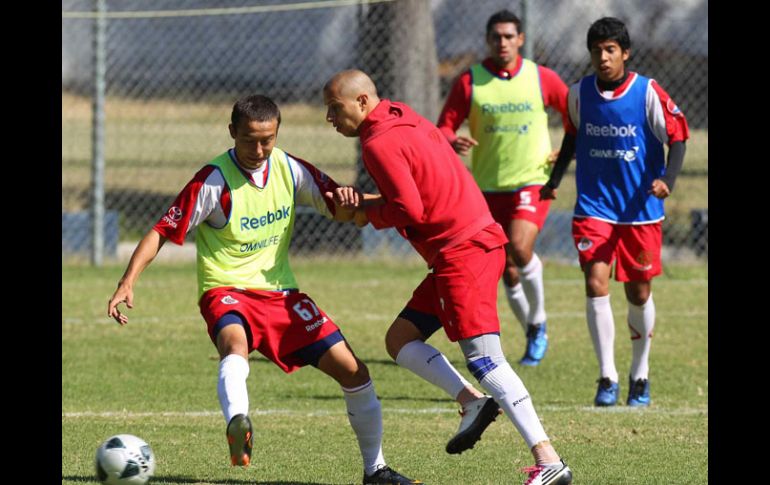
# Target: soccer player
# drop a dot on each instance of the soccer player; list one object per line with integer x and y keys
{"x": 243, "y": 204}
{"x": 428, "y": 195}
{"x": 504, "y": 99}
{"x": 619, "y": 121}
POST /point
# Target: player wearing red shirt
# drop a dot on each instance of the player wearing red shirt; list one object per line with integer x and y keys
{"x": 243, "y": 203}
{"x": 428, "y": 196}
{"x": 504, "y": 99}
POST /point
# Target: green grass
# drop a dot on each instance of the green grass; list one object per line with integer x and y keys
{"x": 156, "y": 378}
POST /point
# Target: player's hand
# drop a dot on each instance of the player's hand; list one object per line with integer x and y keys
{"x": 547, "y": 193}
{"x": 659, "y": 189}
{"x": 345, "y": 197}
{"x": 124, "y": 294}
{"x": 554, "y": 155}
{"x": 462, "y": 144}
{"x": 360, "y": 218}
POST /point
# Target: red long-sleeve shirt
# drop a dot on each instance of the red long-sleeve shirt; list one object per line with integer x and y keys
{"x": 458, "y": 103}
{"x": 430, "y": 197}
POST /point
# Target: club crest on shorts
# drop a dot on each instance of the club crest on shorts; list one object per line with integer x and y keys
{"x": 229, "y": 300}
{"x": 584, "y": 244}
{"x": 644, "y": 259}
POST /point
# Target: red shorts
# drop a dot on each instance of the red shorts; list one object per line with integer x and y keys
{"x": 636, "y": 247}
{"x": 524, "y": 204}
{"x": 278, "y": 323}
{"x": 462, "y": 289}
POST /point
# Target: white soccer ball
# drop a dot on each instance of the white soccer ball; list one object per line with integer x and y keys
{"x": 124, "y": 459}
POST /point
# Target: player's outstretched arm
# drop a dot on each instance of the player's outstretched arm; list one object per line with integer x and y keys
{"x": 345, "y": 201}
{"x": 345, "y": 197}
{"x": 144, "y": 253}
{"x": 372, "y": 200}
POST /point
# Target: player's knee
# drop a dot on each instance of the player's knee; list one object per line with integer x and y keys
{"x": 483, "y": 354}
{"x": 361, "y": 377}
{"x": 232, "y": 340}
{"x": 521, "y": 253}
{"x": 637, "y": 294}
{"x": 361, "y": 370}
{"x": 393, "y": 343}
{"x": 354, "y": 377}
{"x": 400, "y": 333}
{"x": 511, "y": 275}
{"x": 597, "y": 286}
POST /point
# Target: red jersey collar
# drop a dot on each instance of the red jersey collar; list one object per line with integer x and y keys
{"x": 490, "y": 66}
{"x": 620, "y": 90}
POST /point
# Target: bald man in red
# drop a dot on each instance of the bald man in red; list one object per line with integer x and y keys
{"x": 430, "y": 198}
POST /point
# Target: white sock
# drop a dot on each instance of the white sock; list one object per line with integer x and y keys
{"x": 231, "y": 387}
{"x": 508, "y": 390}
{"x": 518, "y": 303}
{"x": 430, "y": 364}
{"x": 531, "y": 277}
{"x": 641, "y": 321}
{"x": 365, "y": 416}
{"x": 601, "y": 325}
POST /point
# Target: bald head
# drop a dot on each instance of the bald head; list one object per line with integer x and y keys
{"x": 349, "y": 97}
{"x": 351, "y": 83}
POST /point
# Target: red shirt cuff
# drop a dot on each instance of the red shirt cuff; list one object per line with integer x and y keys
{"x": 374, "y": 214}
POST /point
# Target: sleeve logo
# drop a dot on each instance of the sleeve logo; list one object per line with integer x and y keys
{"x": 175, "y": 213}
{"x": 673, "y": 108}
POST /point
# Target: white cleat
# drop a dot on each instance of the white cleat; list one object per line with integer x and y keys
{"x": 476, "y": 416}
{"x": 549, "y": 475}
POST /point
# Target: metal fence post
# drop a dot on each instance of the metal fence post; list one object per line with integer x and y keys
{"x": 526, "y": 20}
{"x": 97, "y": 136}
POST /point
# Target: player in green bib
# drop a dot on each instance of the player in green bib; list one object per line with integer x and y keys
{"x": 243, "y": 204}
{"x": 504, "y": 99}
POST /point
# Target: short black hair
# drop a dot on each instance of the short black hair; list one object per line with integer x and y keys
{"x": 608, "y": 28}
{"x": 255, "y": 108}
{"x": 503, "y": 17}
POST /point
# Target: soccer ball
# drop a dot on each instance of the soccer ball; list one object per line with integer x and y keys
{"x": 124, "y": 459}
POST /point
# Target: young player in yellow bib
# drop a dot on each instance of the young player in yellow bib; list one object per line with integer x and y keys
{"x": 243, "y": 205}
{"x": 504, "y": 99}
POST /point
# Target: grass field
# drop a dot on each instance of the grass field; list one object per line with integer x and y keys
{"x": 156, "y": 378}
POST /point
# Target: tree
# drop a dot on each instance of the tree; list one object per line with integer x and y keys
{"x": 397, "y": 47}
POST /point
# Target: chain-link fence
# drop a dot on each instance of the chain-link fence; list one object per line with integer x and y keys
{"x": 173, "y": 69}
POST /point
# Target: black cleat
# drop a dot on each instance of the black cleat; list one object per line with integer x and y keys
{"x": 387, "y": 475}
{"x": 476, "y": 416}
{"x": 240, "y": 438}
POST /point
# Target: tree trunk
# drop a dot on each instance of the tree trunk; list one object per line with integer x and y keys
{"x": 397, "y": 49}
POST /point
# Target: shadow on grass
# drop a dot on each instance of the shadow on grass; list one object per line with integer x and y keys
{"x": 159, "y": 479}
{"x": 388, "y": 397}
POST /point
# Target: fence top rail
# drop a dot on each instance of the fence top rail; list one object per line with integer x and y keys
{"x": 145, "y": 14}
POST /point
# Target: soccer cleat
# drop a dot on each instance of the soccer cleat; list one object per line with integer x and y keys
{"x": 240, "y": 438}
{"x": 559, "y": 474}
{"x": 537, "y": 344}
{"x": 476, "y": 416}
{"x": 387, "y": 475}
{"x": 607, "y": 392}
{"x": 638, "y": 392}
